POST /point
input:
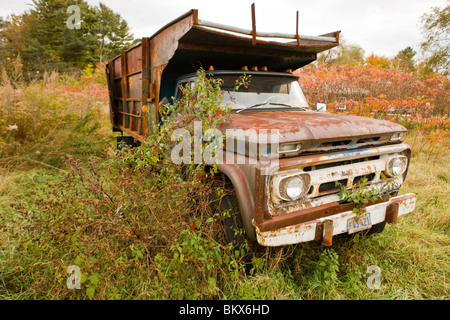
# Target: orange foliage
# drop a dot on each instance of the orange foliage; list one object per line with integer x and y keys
{"x": 92, "y": 82}
{"x": 378, "y": 61}
{"x": 371, "y": 89}
{"x": 374, "y": 90}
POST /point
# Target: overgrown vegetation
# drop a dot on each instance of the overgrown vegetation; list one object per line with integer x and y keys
{"x": 361, "y": 195}
{"x": 139, "y": 229}
{"x": 376, "y": 90}
{"x": 152, "y": 242}
{"x": 54, "y": 117}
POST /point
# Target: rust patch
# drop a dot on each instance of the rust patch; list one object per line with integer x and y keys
{"x": 392, "y": 213}
{"x": 328, "y": 228}
{"x": 319, "y": 232}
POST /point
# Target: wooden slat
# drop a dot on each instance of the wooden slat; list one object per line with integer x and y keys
{"x": 111, "y": 90}
{"x": 123, "y": 60}
{"x": 253, "y": 24}
{"x": 129, "y": 114}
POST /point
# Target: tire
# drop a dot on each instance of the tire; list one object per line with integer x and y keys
{"x": 376, "y": 228}
{"x": 234, "y": 228}
{"x": 125, "y": 141}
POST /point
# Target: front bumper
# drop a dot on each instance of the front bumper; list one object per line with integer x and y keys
{"x": 324, "y": 228}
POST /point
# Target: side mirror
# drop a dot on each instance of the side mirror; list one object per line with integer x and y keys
{"x": 321, "y": 107}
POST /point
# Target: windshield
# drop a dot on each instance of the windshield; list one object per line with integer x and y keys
{"x": 264, "y": 91}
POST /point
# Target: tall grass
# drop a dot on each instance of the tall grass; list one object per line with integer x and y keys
{"x": 136, "y": 237}
{"x": 49, "y": 119}
{"x": 146, "y": 232}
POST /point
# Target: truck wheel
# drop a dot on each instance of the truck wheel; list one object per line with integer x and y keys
{"x": 376, "y": 228}
{"x": 125, "y": 141}
{"x": 234, "y": 228}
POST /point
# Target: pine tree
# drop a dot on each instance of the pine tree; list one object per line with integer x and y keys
{"x": 405, "y": 59}
{"x": 44, "y": 41}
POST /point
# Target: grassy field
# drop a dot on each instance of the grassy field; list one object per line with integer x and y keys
{"x": 413, "y": 255}
{"x": 144, "y": 235}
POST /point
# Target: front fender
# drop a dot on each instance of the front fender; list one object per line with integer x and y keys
{"x": 244, "y": 195}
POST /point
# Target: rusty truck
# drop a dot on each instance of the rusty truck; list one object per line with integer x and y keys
{"x": 298, "y": 199}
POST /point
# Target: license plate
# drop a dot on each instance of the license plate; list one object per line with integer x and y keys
{"x": 357, "y": 225}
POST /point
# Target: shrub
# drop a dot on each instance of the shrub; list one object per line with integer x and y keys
{"x": 371, "y": 89}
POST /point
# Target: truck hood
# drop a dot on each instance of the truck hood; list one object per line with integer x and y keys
{"x": 303, "y": 126}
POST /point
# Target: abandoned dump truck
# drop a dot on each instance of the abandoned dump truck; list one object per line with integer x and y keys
{"x": 296, "y": 200}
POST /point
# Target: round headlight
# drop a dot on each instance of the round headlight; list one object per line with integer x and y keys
{"x": 396, "y": 166}
{"x": 289, "y": 187}
{"x": 295, "y": 187}
{"x": 397, "y": 136}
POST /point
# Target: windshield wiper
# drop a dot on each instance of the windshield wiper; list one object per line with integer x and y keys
{"x": 271, "y": 103}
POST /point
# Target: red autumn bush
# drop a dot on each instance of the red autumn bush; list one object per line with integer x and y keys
{"x": 373, "y": 90}
{"x": 370, "y": 89}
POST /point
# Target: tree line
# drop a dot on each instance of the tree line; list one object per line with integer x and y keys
{"x": 49, "y": 37}
{"x": 433, "y": 55}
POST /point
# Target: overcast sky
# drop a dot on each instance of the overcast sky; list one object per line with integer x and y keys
{"x": 380, "y": 26}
